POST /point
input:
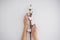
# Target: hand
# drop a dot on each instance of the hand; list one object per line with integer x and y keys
{"x": 26, "y": 22}
{"x": 34, "y": 32}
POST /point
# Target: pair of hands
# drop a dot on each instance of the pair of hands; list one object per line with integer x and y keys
{"x": 26, "y": 24}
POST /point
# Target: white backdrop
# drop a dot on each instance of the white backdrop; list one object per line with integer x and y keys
{"x": 46, "y": 16}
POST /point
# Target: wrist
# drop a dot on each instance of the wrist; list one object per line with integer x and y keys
{"x": 25, "y": 29}
{"x": 36, "y": 38}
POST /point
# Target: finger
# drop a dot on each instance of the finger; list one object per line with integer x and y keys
{"x": 34, "y": 28}
{"x": 26, "y": 17}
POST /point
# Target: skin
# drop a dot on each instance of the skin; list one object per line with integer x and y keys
{"x": 34, "y": 32}
{"x": 34, "y": 29}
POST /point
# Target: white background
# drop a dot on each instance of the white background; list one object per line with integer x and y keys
{"x": 46, "y": 15}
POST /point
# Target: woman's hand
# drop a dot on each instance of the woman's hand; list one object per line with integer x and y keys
{"x": 34, "y": 32}
{"x": 34, "y": 29}
{"x": 26, "y": 22}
